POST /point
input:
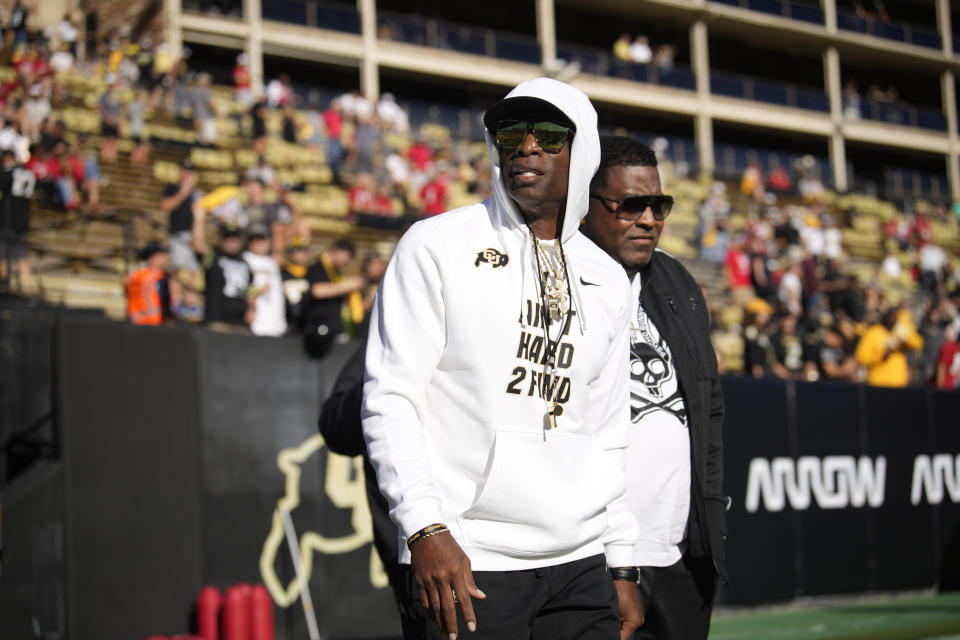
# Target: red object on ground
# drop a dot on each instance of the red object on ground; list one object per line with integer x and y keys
{"x": 261, "y": 614}
{"x": 236, "y": 613}
{"x": 209, "y": 603}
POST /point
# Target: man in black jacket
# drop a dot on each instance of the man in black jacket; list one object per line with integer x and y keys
{"x": 675, "y": 454}
{"x": 340, "y": 427}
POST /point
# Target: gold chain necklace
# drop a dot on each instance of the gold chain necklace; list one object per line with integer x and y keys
{"x": 555, "y": 282}
{"x": 555, "y": 292}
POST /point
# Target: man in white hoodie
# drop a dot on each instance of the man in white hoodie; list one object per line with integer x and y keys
{"x": 493, "y": 412}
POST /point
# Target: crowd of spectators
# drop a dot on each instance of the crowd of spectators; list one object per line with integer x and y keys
{"x": 257, "y": 274}
{"x": 67, "y": 168}
{"x": 804, "y": 315}
{"x": 638, "y": 50}
{"x": 368, "y": 148}
{"x": 364, "y": 144}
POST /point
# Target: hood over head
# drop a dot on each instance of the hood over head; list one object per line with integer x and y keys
{"x": 571, "y": 106}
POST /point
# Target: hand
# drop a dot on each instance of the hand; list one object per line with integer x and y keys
{"x": 631, "y": 612}
{"x": 356, "y": 282}
{"x": 440, "y": 570}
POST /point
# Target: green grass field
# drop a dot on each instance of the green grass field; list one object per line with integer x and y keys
{"x": 922, "y": 617}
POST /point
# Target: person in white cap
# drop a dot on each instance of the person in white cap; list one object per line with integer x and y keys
{"x": 494, "y": 409}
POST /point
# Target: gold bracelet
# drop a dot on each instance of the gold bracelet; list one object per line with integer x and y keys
{"x": 426, "y": 532}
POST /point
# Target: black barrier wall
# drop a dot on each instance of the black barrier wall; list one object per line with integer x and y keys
{"x": 179, "y": 443}
{"x": 839, "y": 488}
{"x": 177, "y": 446}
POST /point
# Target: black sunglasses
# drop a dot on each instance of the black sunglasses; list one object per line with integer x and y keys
{"x": 632, "y": 208}
{"x": 550, "y": 136}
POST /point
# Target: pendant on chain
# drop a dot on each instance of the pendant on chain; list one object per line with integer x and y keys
{"x": 555, "y": 304}
{"x": 555, "y": 412}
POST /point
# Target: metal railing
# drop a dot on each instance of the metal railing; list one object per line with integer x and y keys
{"x": 804, "y": 11}
{"x": 761, "y": 90}
{"x": 900, "y": 183}
{"x": 920, "y": 117}
{"x": 731, "y": 159}
{"x": 603, "y": 63}
{"x": 325, "y": 15}
{"x": 899, "y": 31}
{"x": 441, "y": 34}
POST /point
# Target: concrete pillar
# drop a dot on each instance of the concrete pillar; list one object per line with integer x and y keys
{"x": 703, "y": 124}
{"x": 703, "y": 131}
{"x": 547, "y": 32}
{"x": 953, "y": 173}
{"x": 949, "y": 98}
{"x": 369, "y": 71}
{"x": 829, "y": 14}
{"x": 948, "y": 92}
{"x": 943, "y": 23}
{"x": 171, "y": 10}
{"x": 832, "y": 84}
{"x": 838, "y": 161}
{"x": 948, "y": 88}
{"x": 252, "y": 12}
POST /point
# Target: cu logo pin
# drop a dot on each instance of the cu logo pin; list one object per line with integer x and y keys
{"x": 493, "y": 257}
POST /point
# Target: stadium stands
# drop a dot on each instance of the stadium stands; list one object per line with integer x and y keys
{"x": 81, "y": 259}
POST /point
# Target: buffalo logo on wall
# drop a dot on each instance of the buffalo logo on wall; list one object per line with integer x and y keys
{"x": 345, "y": 487}
{"x": 493, "y": 257}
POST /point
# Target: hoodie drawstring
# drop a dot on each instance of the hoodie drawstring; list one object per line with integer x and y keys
{"x": 574, "y": 289}
{"x": 578, "y": 302}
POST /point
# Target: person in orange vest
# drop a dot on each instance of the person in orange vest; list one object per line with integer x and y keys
{"x": 147, "y": 294}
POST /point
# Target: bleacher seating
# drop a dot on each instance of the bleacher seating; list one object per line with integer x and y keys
{"x": 82, "y": 261}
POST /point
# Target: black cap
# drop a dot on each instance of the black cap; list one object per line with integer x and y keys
{"x": 230, "y": 232}
{"x": 526, "y": 108}
{"x": 151, "y": 249}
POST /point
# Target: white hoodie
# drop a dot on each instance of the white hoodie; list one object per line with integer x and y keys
{"x": 453, "y": 415}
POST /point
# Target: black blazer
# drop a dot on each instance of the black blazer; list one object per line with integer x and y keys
{"x": 675, "y": 303}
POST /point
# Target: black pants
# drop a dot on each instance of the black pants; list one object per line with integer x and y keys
{"x": 572, "y": 601}
{"x": 677, "y": 600}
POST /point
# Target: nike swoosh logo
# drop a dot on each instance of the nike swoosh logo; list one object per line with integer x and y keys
{"x": 588, "y": 284}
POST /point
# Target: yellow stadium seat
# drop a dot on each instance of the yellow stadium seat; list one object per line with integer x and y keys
{"x": 164, "y": 171}
{"x": 314, "y": 174}
{"x": 214, "y": 159}
{"x": 227, "y": 128}
{"x": 399, "y": 141}
{"x": 436, "y": 133}
{"x": 288, "y": 176}
{"x": 866, "y": 223}
{"x": 218, "y": 177}
{"x": 245, "y": 158}
{"x": 329, "y": 226}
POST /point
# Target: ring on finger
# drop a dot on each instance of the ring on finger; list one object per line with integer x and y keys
{"x": 454, "y": 596}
